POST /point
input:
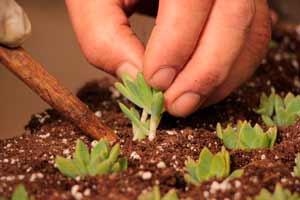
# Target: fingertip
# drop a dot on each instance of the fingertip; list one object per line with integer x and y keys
{"x": 185, "y": 104}
{"x": 127, "y": 68}
{"x": 163, "y": 78}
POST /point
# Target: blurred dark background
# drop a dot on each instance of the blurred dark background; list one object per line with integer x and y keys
{"x": 53, "y": 43}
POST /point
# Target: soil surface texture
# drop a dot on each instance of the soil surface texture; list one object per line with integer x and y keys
{"x": 29, "y": 159}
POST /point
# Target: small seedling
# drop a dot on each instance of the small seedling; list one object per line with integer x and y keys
{"x": 209, "y": 166}
{"x": 149, "y": 100}
{"x": 297, "y": 166}
{"x": 244, "y": 136}
{"x": 101, "y": 160}
{"x": 278, "y": 111}
{"x": 279, "y": 194}
{"x": 20, "y": 193}
{"x": 154, "y": 194}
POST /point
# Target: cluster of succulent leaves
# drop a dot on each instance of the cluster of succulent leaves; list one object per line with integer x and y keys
{"x": 154, "y": 194}
{"x": 244, "y": 136}
{"x": 209, "y": 166}
{"x": 279, "y": 194}
{"x": 151, "y": 101}
{"x": 20, "y": 193}
{"x": 297, "y": 166}
{"x": 278, "y": 111}
{"x": 101, "y": 160}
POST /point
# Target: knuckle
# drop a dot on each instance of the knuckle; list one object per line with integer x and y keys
{"x": 241, "y": 11}
{"x": 211, "y": 81}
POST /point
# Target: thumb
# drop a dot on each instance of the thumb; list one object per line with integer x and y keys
{"x": 105, "y": 36}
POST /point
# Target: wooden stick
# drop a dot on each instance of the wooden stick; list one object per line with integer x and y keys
{"x": 50, "y": 90}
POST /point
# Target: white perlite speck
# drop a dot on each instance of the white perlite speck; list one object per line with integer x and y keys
{"x": 263, "y": 156}
{"x": 44, "y": 136}
{"x": 75, "y": 193}
{"x": 87, "y": 192}
{"x": 223, "y": 186}
{"x": 161, "y": 165}
{"x": 135, "y": 156}
{"x": 171, "y": 132}
{"x": 145, "y": 175}
{"x": 98, "y": 114}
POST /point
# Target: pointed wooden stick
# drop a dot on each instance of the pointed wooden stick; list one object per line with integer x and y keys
{"x": 51, "y": 91}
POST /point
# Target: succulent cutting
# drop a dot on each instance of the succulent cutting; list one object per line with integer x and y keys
{"x": 278, "y": 111}
{"x": 20, "y": 193}
{"x": 279, "y": 194}
{"x": 154, "y": 194}
{"x": 101, "y": 160}
{"x": 209, "y": 166}
{"x": 151, "y": 102}
{"x": 244, "y": 136}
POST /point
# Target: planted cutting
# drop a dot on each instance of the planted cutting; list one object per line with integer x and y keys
{"x": 209, "y": 166}
{"x": 151, "y": 102}
{"x": 278, "y": 111}
{"x": 20, "y": 193}
{"x": 101, "y": 160}
{"x": 154, "y": 194}
{"x": 297, "y": 165}
{"x": 279, "y": 194}
{"x": 244, "y": 136}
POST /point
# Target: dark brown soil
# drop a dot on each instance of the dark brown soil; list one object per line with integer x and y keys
{"x": 29, "y": 159}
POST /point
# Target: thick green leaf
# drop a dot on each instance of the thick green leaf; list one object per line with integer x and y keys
{"x": 192, "y": 169}
{"x": 266, "y": 105}
{"x": 67, "y": 167}
{"x": 145, "y": 90}
{"x": 103, "y": 167}
{"x": 267, "y": 120}
{"x": 82, "y": 153}
{"x": 114, "y": 153}
{"x": 100, "y": 151}
{"x": 237, "y": 173}
{"x": 272, "y": 133}
{"x": 279, "y": 194}
{"x": 171, "y": 195}
{"x": 151, "y": 195}
{"x": 297, "y": 166}
{"x": 20, "y": 193}
{"x": 205, "y": 162}
{"x": 218, "y": 166}
{"x": 132, "y": 116}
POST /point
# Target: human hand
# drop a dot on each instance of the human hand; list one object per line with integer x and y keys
{"x": 15, "y": 26}
{"x": 198, "y": 52}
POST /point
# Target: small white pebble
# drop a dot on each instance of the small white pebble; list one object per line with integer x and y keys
{"x": 263, "y": 157}
{"x": 98, "y": 113}
{"x": 146, "y": 175}
{"x": 161, "y": 165}
{"x": 87, "y": 192}
{"x": 135, "y": 156}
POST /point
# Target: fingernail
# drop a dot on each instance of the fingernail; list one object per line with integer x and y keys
{"x": 127, "y": 68}
{"x": 186, "y": 104}
{"x": 163, "y": 78}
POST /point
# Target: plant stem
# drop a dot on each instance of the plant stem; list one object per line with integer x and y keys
{"x": 153, "y": 126}
{"x": 144, "y": 116}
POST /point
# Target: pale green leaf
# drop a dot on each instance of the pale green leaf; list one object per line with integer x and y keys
{"x": 67, "y": 167}
{"x": 171, "y": 195}
{"x": 237, "y": 173}
{"x": 218, "y": 166}
{"x": 297, "y": 166}
{"x": 20, "y": 193}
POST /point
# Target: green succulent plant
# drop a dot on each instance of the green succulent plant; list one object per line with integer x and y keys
{"x": 154, "y": 194}
{"x": 209, "y": 166}
{"x": 20, "y": 193}
{"x": 101, "y": 160}
{"x": 151, "y": 101}
{"x": 278, "y": 111}
{"x": 244, "y": 136}
{"x": 279, "y": 194}
{"x": 297, "y": 166}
